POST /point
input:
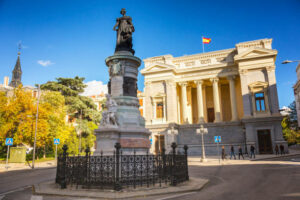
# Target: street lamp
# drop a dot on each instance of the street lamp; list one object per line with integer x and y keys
{"x": 202, "y": 131}
{"x": 289, "y": 61}
{"x": 246, "y": 149}
{"x": 36, "y": 121}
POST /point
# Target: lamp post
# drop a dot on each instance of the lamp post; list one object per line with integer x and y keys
{"x": 173, "y": 132}
{"x": 202, "y": 131}
{"x": 36, "y": 121}
{"x": 246, "y": 149}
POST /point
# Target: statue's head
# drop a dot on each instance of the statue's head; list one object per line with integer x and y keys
{"x": 123, "y": 11}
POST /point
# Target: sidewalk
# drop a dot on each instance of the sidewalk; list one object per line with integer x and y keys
{"x": 22, "y": 166}
{"x": 265, "y": 158}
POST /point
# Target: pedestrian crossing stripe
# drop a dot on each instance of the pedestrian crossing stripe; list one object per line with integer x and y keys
{"x": 9, "y": 141}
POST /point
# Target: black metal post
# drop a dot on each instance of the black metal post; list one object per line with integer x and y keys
{"x": 118, "y": 186}
{"x": 87, "y": 161}
{"x": 186, "y": 162}
{"x": 164, "y": 169}
{"x": 174, "y": 181}
{"x": 63, "y": 182}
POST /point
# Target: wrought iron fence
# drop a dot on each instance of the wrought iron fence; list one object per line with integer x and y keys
{"x": 118, "y": 171}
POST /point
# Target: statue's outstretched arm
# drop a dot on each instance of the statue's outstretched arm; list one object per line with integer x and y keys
{"x": 117, "y": 23}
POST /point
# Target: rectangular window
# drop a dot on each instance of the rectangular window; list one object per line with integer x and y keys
{"x": 260, "y": 101}
{"x": 159, "y": 110}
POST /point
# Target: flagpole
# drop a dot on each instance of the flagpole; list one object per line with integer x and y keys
{"x": 202, "y": 44}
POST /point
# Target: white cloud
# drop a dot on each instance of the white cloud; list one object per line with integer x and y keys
{"x": 45, "y": 63}
{"x": 94, "y": 88}
{"x": 284, "y": 111}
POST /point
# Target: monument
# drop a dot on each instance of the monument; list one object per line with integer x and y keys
{"x": 121, "y": 120}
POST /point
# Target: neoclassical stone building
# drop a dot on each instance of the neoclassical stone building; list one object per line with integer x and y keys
{"x": 231, "y": 92}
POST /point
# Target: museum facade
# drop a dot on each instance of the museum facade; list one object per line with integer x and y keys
{"x": 231, "y": 92}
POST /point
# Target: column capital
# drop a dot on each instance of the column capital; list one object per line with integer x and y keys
{"x": 147, "y": 83}
{"x": 198, "y": 82}
{"x": 214, "y": 80}
{"x": 183, "y": 84}
{"x": 243, "y": 71}
{"x": 231, "y": 77}
{"x": 270, "y": 68}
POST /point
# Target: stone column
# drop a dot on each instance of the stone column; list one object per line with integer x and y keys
{"x": 171, "y": 101}
{"x": 200, "y": 101}
{"x": 184, "y": 101}
{"x": 234, "y": 115}
{"x": 273, "y": 96}
{"x": 245, "y": 94}
{"x": 216, "y": 99}
{"x": 148, "y": 103}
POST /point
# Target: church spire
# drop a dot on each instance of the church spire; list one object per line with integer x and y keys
{"x": 17, "y": 72}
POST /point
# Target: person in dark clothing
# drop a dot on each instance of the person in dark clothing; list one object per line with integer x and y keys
{"x": 252, "y": 151}
{"x": 223, "y": 153}
{"x": 241, "y": 152}
{"x": 277, "y": 150}
{"x": 232, "y": 153}
{"x": 281, "y": 149}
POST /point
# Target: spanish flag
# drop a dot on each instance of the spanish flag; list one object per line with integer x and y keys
{"x": 206, "y": 40}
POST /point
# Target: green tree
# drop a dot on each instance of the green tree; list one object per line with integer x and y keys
{"x": 81, "y": 109}
{"x": 77, "y": 106}
{"x": 289, "y": 124}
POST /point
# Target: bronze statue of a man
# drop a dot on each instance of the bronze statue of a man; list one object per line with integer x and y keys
{"x": 124, "y": 28}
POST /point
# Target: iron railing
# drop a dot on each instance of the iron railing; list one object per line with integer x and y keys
{"x": 118, "y": 171}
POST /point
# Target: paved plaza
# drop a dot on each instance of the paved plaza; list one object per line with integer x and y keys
{"x": 267, "y": 177}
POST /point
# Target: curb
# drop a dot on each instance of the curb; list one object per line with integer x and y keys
{"x": 51, "y": 189}
{"x": 270, "y": 158}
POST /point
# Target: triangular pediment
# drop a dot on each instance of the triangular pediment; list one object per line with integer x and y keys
{"x": 258, "y": 84}
{"x": 157, "y": 67}
{"x": 255, "y": 53}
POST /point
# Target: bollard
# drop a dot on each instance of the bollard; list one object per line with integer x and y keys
{"x": 185, "y": 147}
{"x": 174, "y": 180}
{"x": 63, "y": 182}
{"x": 118, "y": 186}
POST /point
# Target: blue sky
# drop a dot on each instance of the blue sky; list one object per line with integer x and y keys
{"x": 76, "y": 36}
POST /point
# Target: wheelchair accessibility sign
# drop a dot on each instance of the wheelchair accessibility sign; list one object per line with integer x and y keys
{"x": 217, "y": 139}
{"x": 9, "y": 141}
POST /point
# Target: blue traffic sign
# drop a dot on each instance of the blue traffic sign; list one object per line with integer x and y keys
{"x": 9, "y": 141}
{"x": 217, "y": 139}
{"x": 151, "y": 141}
{"x": 56, "y": 141}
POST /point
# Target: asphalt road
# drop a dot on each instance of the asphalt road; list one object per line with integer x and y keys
{"x": 227, "y": 182}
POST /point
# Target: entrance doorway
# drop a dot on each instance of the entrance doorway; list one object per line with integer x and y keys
{"x": 159, "y": 142}
{"x": 264, "y": 142}
{"x": 210, "y": 114}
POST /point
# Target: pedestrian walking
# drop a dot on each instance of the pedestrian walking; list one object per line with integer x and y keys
{"x": 232, "y": 152}
{"x": 281, "y": 149}
{"x": 241, "y": 153}
{"x": 277, "y": 150}
{"x": 252, "y": 151}
{"x": 223, "y": 153}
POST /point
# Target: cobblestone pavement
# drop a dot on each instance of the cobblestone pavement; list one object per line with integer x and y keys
{"x": 233, "y": 179}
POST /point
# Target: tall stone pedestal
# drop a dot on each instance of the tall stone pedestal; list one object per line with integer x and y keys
{"x": 122, "y": 122}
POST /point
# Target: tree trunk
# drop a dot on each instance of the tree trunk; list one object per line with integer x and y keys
{"x": 44, "y": 151}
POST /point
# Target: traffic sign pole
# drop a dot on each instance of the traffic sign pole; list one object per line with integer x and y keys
{"x": 218, "y": 152}
{"x": 7, "y": 157}
{"x": 56, "y": 152}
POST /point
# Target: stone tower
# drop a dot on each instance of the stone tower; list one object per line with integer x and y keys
{"x": 121, "y": 121}
{"x": 16, "y": 74}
